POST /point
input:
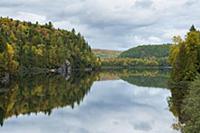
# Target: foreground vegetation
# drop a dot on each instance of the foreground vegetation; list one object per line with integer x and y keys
{"x": 191, "y": 107}
{"x": 27, "y": 45}
{"x": 185, "y": 59}
{"x": 185, "y": 56}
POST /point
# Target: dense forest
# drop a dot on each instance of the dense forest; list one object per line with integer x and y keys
{"x": 28, "y": 45}
{"x": 185, "y": 86}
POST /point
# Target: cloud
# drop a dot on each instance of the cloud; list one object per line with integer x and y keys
{"x": 30, "y": 17}
{"x": 113, "y": 24}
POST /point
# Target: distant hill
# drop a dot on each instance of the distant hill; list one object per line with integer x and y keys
{"x": 145, "y": 51}
{"x": 102, "y": 53}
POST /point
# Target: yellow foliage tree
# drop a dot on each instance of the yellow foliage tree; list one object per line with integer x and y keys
{"x": 11, "y": 64}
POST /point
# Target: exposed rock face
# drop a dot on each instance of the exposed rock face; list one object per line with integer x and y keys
{"x": 64, "y": 70}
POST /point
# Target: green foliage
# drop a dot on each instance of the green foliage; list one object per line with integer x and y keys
{"x": 185, "y": 60}
{"x": 185, "y": 104}
{"x": 191, "y": 108}
{"x": 185, "y": 56}
{"x": 147, "y": 51}
{"x": 28, "y": 45}
{"x": 192, "y": 28}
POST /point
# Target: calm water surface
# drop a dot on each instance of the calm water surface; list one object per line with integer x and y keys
{"x": 107, "y": 102}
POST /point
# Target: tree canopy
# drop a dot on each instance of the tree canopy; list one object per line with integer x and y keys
{"x": 185, "y": 56}
{"x": 28, "y": 45}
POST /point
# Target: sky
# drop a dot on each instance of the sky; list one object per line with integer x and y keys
{"x": 111, "y": 24}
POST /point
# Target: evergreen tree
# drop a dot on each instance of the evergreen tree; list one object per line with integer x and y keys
{"x": 192, "y": 28}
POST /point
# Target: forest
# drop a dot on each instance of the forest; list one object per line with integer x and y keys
{"x": 185, "y": 81}
{"x": 25, "y": 45}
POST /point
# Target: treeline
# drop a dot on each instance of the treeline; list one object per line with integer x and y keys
{"x": 28, "y": 45}
{"x": 185, "y": 59}
{"x": 134, "y": 62}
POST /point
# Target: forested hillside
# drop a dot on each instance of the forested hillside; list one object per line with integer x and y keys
{"x": 145, "y": 55}
{"x": 28, "y": 45}
{"x": 146, "y": 51}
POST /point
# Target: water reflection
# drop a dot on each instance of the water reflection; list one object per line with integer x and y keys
{"x": 119, "y": 101}
{"x": 179, "y": 92}
{"x": 42, "y": 93}
{"x": 140, "y": 77}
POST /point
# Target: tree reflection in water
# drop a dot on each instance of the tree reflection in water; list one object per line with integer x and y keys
{"x": 42, "y": 93}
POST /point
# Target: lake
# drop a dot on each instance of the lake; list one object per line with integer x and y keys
{"x": 128, "y": 101}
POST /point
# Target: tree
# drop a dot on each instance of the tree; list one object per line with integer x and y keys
{"x": 177, "y": 39}
{"x": 73, "y": 31}
{"x": 11, "y": 63}
{"x": 191, "y": 108}
{"x": 184, "y": 56}
{"x": 50, "y": 25}
{"x": 192, "y": 28}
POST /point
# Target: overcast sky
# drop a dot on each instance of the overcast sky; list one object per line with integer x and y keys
{"x": 111, "y": 24}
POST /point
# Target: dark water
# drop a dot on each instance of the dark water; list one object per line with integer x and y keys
{"x": 105, "y": 102}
